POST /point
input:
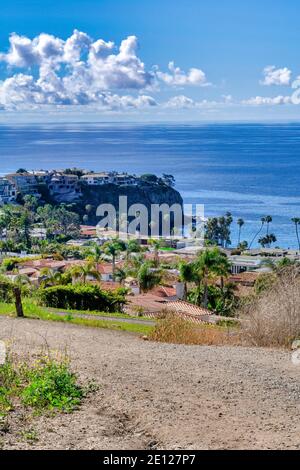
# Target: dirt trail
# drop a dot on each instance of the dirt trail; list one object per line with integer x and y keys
{"x": 163, "y": 396}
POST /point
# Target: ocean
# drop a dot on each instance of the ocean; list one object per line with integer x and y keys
{"x": 251, "y": 170}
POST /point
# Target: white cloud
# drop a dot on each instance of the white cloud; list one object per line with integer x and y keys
{"x": 273, "y": 76}
{"x": 183, "y": 102}
{"x": 177, "y": 77}
{"x": 48, "y": 70}
{"x": 267, "y": 101}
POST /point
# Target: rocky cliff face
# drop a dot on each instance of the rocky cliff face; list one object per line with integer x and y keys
{"x": 145, "y": 194}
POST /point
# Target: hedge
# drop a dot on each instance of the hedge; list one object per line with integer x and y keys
{"x": 83, "y": 297}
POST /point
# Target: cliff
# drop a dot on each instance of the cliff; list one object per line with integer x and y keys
{"x": 145, "y": 194}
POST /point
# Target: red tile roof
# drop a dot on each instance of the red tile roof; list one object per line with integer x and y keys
{"x": 180, "y": 306}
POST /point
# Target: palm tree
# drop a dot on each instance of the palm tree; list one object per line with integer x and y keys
{"x": 268, "y": 221}
{"x": 82, "y": 272}
{"x": 267, "y": 241}
{"x": 296, "y": 221}
{"x": 240, "y": 223}
{"x": 120, "y": 276}
{"x": 210, "y": 263}
{"x": 156, "y": 245}
{"x": 50, "y": 277}
{"x": 263, "y": 221}
{"x": 95, "y": 255}
{"x": 222, "y": 268}
{"x": 132, "y": 246}
{"x": 113, "y": 248}
{"x": 148, "y": 277}
{"x": 186, "y": 275}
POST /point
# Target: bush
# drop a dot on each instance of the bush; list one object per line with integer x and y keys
{"x": 273, "y": 317}
{"x": 83, "y": 297}
{"x": 46, "y": 385}
{"x": 52, "y": 386}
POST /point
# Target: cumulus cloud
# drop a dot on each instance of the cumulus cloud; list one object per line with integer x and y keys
{"x": 177, "y": 77}
{"x": 48, "y": 70}
{"x": 274, "y": 76}
{"x": 267, "y": 101}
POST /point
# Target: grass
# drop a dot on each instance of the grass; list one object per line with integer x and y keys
{"x": 178, "y": 331}
{"x": 92, "y": 312}
{"x": 32, "y": 310}
{"x": 47, "y": 384}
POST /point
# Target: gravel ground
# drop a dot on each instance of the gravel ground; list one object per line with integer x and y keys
{"x": 161, "y": 396}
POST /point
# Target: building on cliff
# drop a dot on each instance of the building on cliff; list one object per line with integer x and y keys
{"x": 8, "y": 191}
{"x": 64, "y": 188}
{"x": 25, "y": 183}
{"x": 99, "y": 179}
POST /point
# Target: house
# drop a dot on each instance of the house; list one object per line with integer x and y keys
{"x": 8, "y": 191}
{"x": 124, "y": 180}
{"x": 241, "y": 264}
{"x": 64, "y": 188}
{"x": 25, "y": 183}
{"x": 97, "y": 179}
{"x": 88, "y": 231}
{"x": 106, "y": 271}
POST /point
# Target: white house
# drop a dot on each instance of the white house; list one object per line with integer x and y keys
{"x": 97, "y": 179}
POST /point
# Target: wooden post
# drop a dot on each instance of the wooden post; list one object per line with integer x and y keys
{"x": 18, "y": 302}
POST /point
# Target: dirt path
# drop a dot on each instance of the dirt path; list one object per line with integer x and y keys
{"x": 164, "y": 396}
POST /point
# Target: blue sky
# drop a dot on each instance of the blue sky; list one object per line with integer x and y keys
{"x": 237, "y": 60}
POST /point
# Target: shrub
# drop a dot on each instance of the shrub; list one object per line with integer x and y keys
{"x": 52, "y": 386}
{"x": 273, "y": 317}
{"x": 46, "y": 385}
{"x": 83, "y": 297}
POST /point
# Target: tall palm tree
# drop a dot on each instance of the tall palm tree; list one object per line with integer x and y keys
{"x": 296, "y": 221}
{"x": 240, "y": 223}
{"x": 263, "y": 221}
{"x": 209, "y": 264}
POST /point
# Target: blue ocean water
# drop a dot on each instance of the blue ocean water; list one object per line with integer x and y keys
{"x": 250, "y": 170}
